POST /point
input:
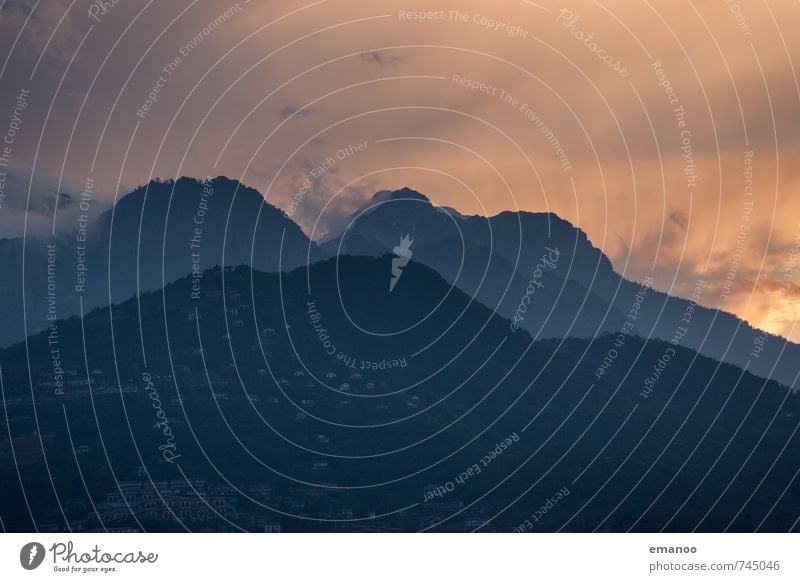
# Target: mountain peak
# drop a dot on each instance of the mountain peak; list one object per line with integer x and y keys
{"x": 404, "y": 193}
{"x": 191, "y": 182}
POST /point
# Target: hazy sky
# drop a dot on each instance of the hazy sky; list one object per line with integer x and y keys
{"x": 667, "y": 130}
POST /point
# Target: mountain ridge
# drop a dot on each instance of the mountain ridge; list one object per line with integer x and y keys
{"x": 254, "y": 399}
{"x": 522, "y": 237}
{"x": 240, "y": 227}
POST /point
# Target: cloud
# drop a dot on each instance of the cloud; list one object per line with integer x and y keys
{"x": 679, "y": 219}
{"x": 291, "y": 110}
{"x": 46, "y": 27}
{"x": 14, "y": 11}
{"x": 379, "y": 58}
{"x": 17, "y": 207}
{"x": 305, "y": 193}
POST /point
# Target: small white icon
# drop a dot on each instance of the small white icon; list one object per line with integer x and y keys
{"x": 402, "y": 257}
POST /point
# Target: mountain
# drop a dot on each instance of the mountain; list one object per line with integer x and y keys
{"x": 495, "y": 259}
{"x": 321, "y": 400}
{"x": 558, "y": 308}
{"x": 152, "y": 236}
{"x": 149, "y": 238}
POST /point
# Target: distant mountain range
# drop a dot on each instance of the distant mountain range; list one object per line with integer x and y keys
{"x": 166, "y": 230}
{"x": 151, "y": 237}
{"x": 495, "y": 260}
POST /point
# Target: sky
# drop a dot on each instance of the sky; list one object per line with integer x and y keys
{"x": 667, "y": 130}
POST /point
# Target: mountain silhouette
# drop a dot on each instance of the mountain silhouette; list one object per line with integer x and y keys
{"x": 322, "y": 400}
{"x": 149, "y": 239}
{"x": 152, "y": 236}
{"x": 494, "y": 259}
